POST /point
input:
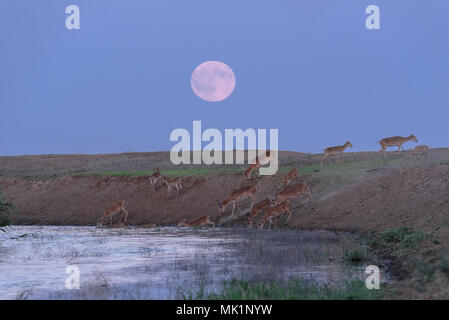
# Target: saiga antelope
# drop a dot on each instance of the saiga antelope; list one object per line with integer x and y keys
{"x": 275, "y": 211}
{"x": 236, "y": 196}
{"x": 113, "y": 210}
{"x": 258, "y": 208}
{"x": 155, "y": 178}
{"x": 171, "y": 185}
{"x": 335, "y": 150}
{"x": 197, "y": 223}
{"x": 418, "y": 151}
{"x": 288, "y": 177}
{"x": 395, "y": 142}
{"x": 291, "y": 192}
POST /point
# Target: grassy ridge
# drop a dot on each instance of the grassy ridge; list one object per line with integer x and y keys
{"x": 344, "y": 168}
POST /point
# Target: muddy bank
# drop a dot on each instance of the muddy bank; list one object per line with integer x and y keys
{"x": 416, "y": 196}
{"x": 81, "y": 200}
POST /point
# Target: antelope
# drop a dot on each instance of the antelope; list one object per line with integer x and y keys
{"x": 338, "y": 150}
{"x": 172, "y": 184}
{"x": 258, "y": 208}
{"x": 236, "y": 196}
{"x": 395, "y": 142}
{"x": 419, "y": 150}
{"x": 264, "y": 159}
{"x": 252, "y": 167}
{"x": 288, "y": 177}
{"x": 155, "y": 178}
{"x": 291, "y": 192}
{"x": 113, "y": 210}
{"x": 275, "y": 211}
{"x": 197, "y": 223}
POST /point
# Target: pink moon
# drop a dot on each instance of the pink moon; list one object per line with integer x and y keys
{"x": 213, "y": 81}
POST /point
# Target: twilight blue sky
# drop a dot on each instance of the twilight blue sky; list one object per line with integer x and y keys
{"x": 309, "y": 68}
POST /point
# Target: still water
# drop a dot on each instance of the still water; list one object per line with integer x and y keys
{"x": 161, "y": 263}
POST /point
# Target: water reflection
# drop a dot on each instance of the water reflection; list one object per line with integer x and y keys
{"x": 160, "y": 263}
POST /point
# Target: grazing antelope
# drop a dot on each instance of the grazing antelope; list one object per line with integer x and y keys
{"x": 288, "y": 177}
{"x": 155, "y": 178}
{"x": 337, "y": 150}
{"x": 276, "y": 211}
{"x": 291, "y": 192}
{"x": 258, "y": 208}
{"x": 113, "y": 210}
{"x": 395, "y": 142}
{"x": 171, "y": 185}
{"x": 197, "y": 223}
{"x": 419, "y": 150}
{"x": 236, "y": 196}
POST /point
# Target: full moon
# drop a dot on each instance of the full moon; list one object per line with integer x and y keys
{"x": 213, "y": 81}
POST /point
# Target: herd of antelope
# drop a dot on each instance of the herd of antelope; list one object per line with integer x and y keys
{"x": 155, "y": 180}
{"x": 272, "y": 206}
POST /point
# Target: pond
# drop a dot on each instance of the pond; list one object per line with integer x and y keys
{"x": 163, "y": 263}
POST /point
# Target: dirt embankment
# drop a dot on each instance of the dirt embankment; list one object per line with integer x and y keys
{"x": 417, "y": 196}
{"x": 81, "y": 200}
{"x": 43, "y": 192}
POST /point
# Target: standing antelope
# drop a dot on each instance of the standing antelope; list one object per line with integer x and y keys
{"x": 288, "y": 177}
{"x": 337, "y": 150}
{"x": 258, "y": 208}
{"x": 113, "y": 210}
{"x": 275, "y": 211}
{"x": 197, "y": 223}
{"x": 395, "y": 142}
{"x": 419, "y": 150}
{"x": 171, "y": 185}
{"x": 236, "y": 196}
{"x": 291, "y": 192}
{"x": 155, "y": 178}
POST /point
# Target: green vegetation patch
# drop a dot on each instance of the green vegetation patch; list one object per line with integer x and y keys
{"x": 404, "y": 236}
{"x": 5, "y": 208}
{"x": 354, "y": 256}
{"x": 165, "y": 172}
{"x": 293, "y": 289}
